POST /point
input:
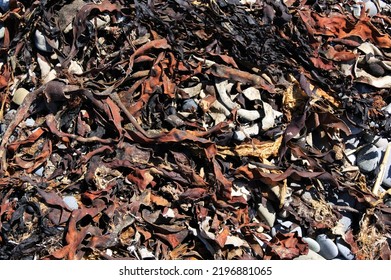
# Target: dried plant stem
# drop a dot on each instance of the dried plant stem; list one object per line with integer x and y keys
{"x": 382, "y": 170}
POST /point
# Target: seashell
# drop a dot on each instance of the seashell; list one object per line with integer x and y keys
{"x": 19, "y": 95}
{"x": 41, "y": 43}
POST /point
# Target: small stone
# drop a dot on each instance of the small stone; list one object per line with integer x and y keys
{"x": 267, "y": 213}
{"x": 71, "y": 202}
{"x": 387, "y": 174}
{"x": 328, "y": 249}
{"x": 75, "y": 68}
{"x": 29, "y": 122}
{"x": 310, "y": 256}
{"x": 40, "y": 42}
{"x": 371, "y": 8}
{"x": 343, "y": 249}
{"x": 346, "y": 222}
{"x": 19, "y": 95}
{"x": 368, "y": 158}
{"x": 39, "y": 171}
{"x": 189, "y": 105}
{"x": 312, "y": 244}
{"x": 381, "y": 143}
{"x": 10, "y": 115}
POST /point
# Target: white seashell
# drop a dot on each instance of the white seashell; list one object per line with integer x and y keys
{"x": 40, "y": 42}
{"x": 50, "y": 76}
{"x": 44, "y": 66}
{"x": 75, "y": 68}
{"x": 19, "y": 95}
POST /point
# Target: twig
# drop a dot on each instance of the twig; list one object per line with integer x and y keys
{"x": 345, "y": 208}
{"x": 382, "y": 170}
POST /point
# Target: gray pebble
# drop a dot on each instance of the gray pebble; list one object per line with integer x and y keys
{"x": 343, "y": 249}
{"x": 189, "y": 105}
{"x": 346, "y": 222}
{"x": 40, "y": 42}
{"x": 312, "y": 244}
{"x": 267, "y": 213}
{"x": 328, "y": 249}
{"x": 387, "y": 174}
{"x": 381, "y": 143}
{"x": 10, "y": 115}
{"x": 71, "y": 202}
{"x": 39, "y": 171}
{"x": 368, "y": 158}
{"x": 29, "y": 122}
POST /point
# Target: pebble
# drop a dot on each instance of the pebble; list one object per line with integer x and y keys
{"x": 19, "y": 95}
{"x": 71, "y": 202}
{"x": 343, "y": 249}
{"x": 29, "y": 122}
{"x": 75, "y": 68}
{"x": 267, "y": 213}
{"x": 368, "y": 158}
{"x": 3, "y": 128}
{"x": 189, "y": 105}
{"x": 371, "y": 8}
{"x": 346, "y": 222}
{"x": 387, "y": 174}
{"x": 381, "y": 143}
{"x": 40, "y": 42}
{"x": 39, "y": 171}
{"x": 312, "y": 244}
{"x": 328, "y": 249}
{"x": 310, "y": 256}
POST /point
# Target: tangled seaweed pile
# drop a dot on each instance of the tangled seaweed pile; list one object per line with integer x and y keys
{"x": 193, "y": 129}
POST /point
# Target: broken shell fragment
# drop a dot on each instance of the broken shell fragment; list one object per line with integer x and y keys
{"x": 41, "y": 43}
{"x": 19, "y": 95}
